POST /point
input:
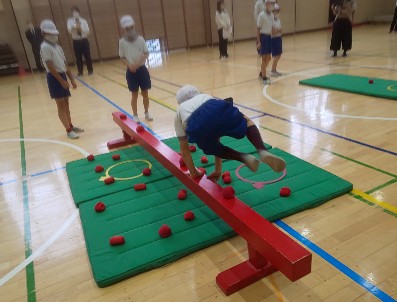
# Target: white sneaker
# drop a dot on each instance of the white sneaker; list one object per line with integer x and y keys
{"x": 72, "y": 135}
{"x": 267, "y": 81}
{"x": 136, "y": 118}
{"x": 275, "y": 74}
{"x": 276, "y": 163}
{"x": 148, "y": 117}
{"x": 77, "y": 129}
{"x": 251, "y": 162}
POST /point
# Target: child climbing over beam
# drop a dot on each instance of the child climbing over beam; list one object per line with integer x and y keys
{"x": 203, "y": 119}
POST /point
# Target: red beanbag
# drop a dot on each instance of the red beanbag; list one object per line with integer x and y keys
{"x": 140, "y": 128}
{"x": 204, "y": 159}
{"x": 116, "y": 240}
{"x": 226, "y": 173}
{"x": 146, "y": 171}
{"x": 285, "y": 192}
{"x": 182, "y": 194}
{"x": 116, "y": 156}
{"x": 227, "y": 179}
{"x": 192, "y": 148}
{"x": 139, "y": 187}
{"x": 109, "y": 180}
{"x": 90, "y": 157}
{"x": 189, "y": 216}
{"x": 228, "y": 192}
{"x": 98, "y": 169}
{"x": 100, "y": 207}
{"x": 165, "y": 231}
{"x": 123, "y": 116}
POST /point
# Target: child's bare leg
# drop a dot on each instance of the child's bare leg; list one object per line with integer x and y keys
{"x": 254, "y": 136}
{"x": 248, "y": 159}
{"x": 145, "y": 95}
{"x": 134, "y": 102}
{"x": 67, "y": 112}
{"x": 275, "y": 62}
{"x": 61, "y": 105}
{"x": 265, "y": 61}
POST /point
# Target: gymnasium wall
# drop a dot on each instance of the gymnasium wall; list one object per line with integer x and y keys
{"x": 181, "y": 23}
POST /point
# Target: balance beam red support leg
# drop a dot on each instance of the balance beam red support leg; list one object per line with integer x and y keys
{"x": 269, "y": 248}
{"x": 122, "y": 142}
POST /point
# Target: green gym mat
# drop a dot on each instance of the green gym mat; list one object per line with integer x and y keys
{"x": 138, "y": 215}
{"x": 379, "y": 88}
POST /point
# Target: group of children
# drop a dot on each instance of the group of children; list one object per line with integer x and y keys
{"x": 200, "y": 119}
{"x": 133, "y": 52}
{"x": 269, "y": 32}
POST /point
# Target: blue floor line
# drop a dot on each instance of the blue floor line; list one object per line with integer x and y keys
{"x": 374, "y": 290}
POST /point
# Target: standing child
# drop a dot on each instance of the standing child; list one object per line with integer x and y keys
{"x": 222, "y": 20}
{"x": 264, "y": 38}
{"x": 277, "y": 42}
{"x": 55, "y": 64}
{"x": 133, "y": 52}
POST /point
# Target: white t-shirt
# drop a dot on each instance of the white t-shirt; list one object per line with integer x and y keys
{"x": 185, "y": 110}
{"x": 132, "y": 51}
{"x": 276, "y": 25}
{"x": 54, "y": 53}
{"x": 85, "y": 31}
{"x": 265, "y": 22}
{"x": 222, "y": 20}
{"x": 259, "y": 7}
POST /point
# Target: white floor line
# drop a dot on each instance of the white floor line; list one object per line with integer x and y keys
{"x": 60, "y": 231}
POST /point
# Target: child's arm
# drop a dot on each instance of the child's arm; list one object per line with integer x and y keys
{"x": 258, "y": 38}
{"x": 56, "y": 75}
{"x": 70, "y": 76}
{"x": 187, "y": 157}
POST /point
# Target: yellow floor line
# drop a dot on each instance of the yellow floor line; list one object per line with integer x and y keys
{"x": 373, "y": 200}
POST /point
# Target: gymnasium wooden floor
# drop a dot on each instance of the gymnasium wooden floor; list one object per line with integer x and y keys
{"x": 353, "y": 238}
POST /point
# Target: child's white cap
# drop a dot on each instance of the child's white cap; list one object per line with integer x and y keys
{"x": 126, "y": 21}
{"x": 186, "y": 93}
{"x": 270, "y": 1}
{"x": 48, "y": 27}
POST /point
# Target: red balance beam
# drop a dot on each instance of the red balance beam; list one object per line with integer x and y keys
{"x": 269, "y": 248}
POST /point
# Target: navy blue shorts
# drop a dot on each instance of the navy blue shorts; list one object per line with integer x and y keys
{"x": 139, "y": 78}
{"x": 55, "y": 88}
{"x": 277, "y": 46}
{"x": 212, "y": 120}
{"x": 266, "y": 45}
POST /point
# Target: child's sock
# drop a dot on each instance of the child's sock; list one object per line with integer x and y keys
{"x": 276, "y": 163}
{"x": 69, "y": 129}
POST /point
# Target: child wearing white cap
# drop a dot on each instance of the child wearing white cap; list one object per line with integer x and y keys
{"x": 277, "y": 42}
{"x": 133, "y": 52}
{"x": 264, "y": 38}
{"x": 54, "y": 62}
{"x": 203, "y": 119}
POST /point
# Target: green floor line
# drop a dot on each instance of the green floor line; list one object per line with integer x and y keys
{"x": 371, "y": 204}
{"x": 386, "y": 184}
{"x": 30, "y": 280}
